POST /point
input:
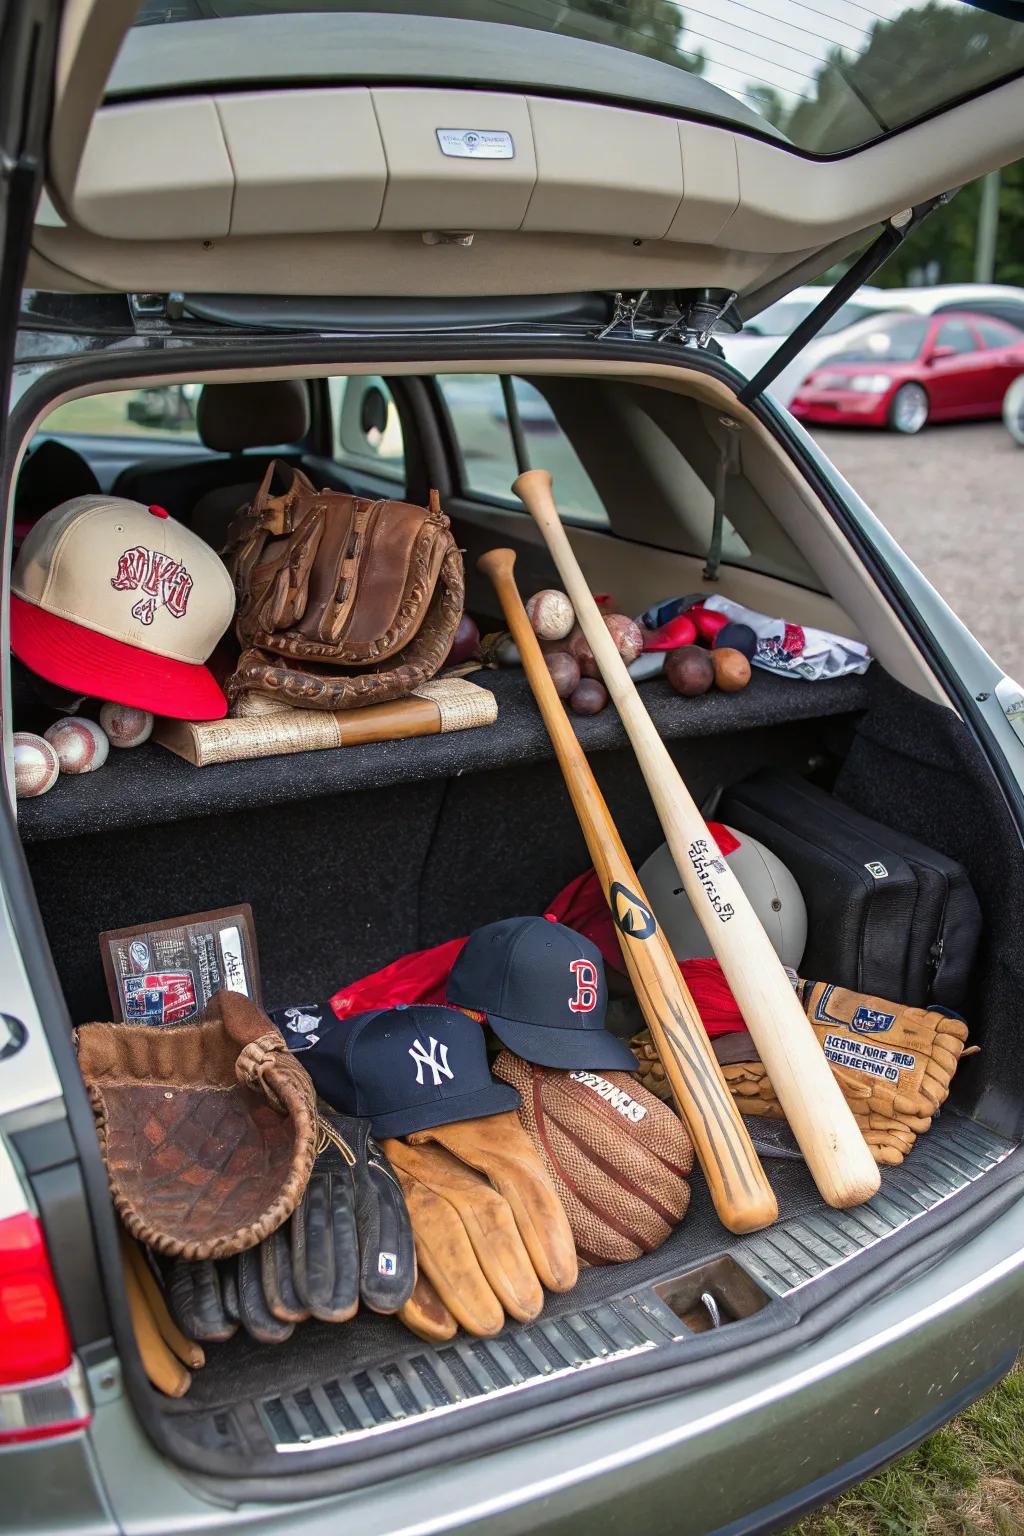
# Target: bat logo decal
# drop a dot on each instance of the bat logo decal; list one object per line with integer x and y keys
{"x": 631, "y": 915}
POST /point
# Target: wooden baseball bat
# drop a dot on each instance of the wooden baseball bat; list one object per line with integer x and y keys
{"x": 741, "y": 1193}
{"x": 835, "y": 1151}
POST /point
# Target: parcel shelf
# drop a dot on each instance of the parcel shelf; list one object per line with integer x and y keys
{"x": 148, "y": 785}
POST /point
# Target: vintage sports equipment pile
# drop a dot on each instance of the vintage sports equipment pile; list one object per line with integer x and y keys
{"x": 341, "y": 601}
{"x": 303, "y": 1218}
{"x": 449, "y": 1140}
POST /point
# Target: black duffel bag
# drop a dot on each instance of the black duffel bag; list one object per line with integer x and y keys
{"x": 885, "y": 915}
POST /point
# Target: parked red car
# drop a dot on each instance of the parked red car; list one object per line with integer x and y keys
{"x": 901, "y": 371}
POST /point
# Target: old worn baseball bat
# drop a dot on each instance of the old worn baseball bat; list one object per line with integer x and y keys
{"x": 834, "y": 1149}
{"x": 741, "y": 1193}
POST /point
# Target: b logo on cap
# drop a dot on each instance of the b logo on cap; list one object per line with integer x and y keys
{"x": 157, "y": 576}
{"x": 585, "y": 972}
{"x": 424, "y": 1058}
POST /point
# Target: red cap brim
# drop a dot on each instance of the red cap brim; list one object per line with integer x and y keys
{"x": 85, "y": 661}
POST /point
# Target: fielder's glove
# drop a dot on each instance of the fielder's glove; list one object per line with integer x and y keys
{"x": 893, "y": 1063}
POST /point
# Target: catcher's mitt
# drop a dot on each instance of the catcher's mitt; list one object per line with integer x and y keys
{"x": 893, "y": 1063}
{"x": 342, "y": 601}
{"x": 208, "y": 1129}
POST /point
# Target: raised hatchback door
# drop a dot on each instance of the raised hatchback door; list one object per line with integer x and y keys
{"x": 377, "y": 147}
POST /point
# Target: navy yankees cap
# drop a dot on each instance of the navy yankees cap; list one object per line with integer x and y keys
{"x": 543, "y": 990}
{"x": 407, "y": 1069}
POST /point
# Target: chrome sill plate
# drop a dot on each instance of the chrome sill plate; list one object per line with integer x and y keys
{"x": 434, "y": 1381}
{"x": 431, "y": 1382}
{"x": 788, "y": 1256}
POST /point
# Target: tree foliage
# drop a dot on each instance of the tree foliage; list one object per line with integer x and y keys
{"x": 942, "y": 250}
{"x": 933, "y": 53}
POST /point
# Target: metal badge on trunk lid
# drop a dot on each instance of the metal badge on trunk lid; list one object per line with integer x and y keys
{"x": 476, "y": 143}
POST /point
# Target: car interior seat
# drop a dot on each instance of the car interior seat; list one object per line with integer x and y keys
{"x": 233, "y": 421}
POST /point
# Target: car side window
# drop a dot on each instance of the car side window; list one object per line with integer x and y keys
{"x": 162, "y": 411}
{"x": 994, "y": 334}
{"x": 367, "y": 428}
{"x": 956, "y": 334}
{"x": 483, "y": 436}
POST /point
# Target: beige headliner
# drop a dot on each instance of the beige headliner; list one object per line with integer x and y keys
{"x": 852, "y": 606}
{"x": 332, "y": 190}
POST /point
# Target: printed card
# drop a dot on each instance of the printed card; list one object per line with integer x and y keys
{"x": 166, "y": 972}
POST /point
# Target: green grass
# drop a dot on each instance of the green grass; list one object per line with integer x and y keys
{"x": 966, "y": 1480}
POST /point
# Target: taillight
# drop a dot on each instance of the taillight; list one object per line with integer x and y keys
{"x": 34, "y": 1339}
{"x": 42, "y": 1392}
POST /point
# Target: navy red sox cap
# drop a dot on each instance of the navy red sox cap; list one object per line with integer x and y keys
{"x": 542, "y": 987}
{"x": 407, "y": 1069}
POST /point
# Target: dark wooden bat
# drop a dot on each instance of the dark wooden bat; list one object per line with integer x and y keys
{"x": 742, "y": 1195}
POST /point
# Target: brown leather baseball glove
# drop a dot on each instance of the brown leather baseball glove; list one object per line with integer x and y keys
{"x": 341, "y": 601}
{"x": 893, "y": 1063}
{"x": 208, "y": 1130}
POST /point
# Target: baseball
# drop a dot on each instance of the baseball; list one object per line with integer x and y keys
{"x": 732, "y": 669}
{"x": 35, "y": 765}
{"x": 551, "y": 614}
{"x": 125, "y": 726}
{"x": 565, "y": 672}
{"x": 81, "y": 746}
{"x": 589, "y": 697}
{"x": 627, "y": 634}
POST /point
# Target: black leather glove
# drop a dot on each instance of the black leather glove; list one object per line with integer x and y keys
{"x": 349, "y": 1240}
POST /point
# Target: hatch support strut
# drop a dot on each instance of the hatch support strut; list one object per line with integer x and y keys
{"x": 894, "y": 232}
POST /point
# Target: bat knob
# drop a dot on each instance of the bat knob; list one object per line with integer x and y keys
{"x": 497, "y": 563}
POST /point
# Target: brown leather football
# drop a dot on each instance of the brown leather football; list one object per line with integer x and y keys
{"x": 618, "y": 1157}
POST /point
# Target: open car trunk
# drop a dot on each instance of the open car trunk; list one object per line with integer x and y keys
{"x": 356, "y": 857}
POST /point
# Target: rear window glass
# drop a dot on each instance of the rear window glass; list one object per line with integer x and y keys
{"x": 887, "y": 341}
{"x": 479, "y": 418}
{"x": 830, "y": 76}
{"x": 166, "y": 410}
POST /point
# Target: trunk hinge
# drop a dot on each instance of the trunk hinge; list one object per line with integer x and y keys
{"x": 153, "y": 312}
{"x": 628, "y": 308}
{"x": 696, "y": 324}
{"x": 728, "y": 465}
{"x": 689, "y": 319}
{"x": 894, "y": 232}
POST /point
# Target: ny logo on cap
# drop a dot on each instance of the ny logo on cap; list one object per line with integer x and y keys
{"x": 163, "y": 581}
{"x": 424, "y": 1058}
{"x": 585, "y": 972}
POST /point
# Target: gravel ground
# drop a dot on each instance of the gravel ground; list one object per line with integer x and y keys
{"x": 954, "y": 498}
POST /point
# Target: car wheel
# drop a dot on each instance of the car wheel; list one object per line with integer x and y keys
{"x": 1013, "y": 410}
{"x": 908, "y": 410}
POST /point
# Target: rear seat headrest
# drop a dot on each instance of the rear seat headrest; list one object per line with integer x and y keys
{"x": 230, "y": 417}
